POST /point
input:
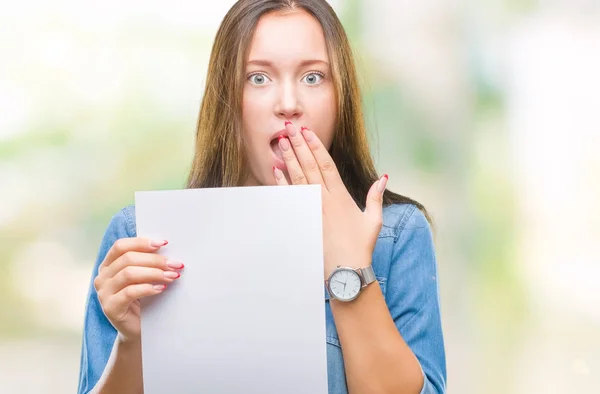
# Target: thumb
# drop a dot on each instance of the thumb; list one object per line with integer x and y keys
{"x": 374, "y": 205}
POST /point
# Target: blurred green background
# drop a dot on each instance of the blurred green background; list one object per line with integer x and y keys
{"x": 486, "y": 112}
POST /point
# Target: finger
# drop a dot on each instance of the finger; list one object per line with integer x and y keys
{"x": 137, "y": 244}
{"x": 297, "y": 176}
{"x": 141, "y": 259}
{"x": 118, "y": 304}
{"x": 133, "y": 275}
{"x": 331, "y": 177}
{"x": 374, "y": 203}
{"x": 304, "y": 154}
{"x": 279, "y": 177}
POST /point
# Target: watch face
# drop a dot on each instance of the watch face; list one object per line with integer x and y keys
{"x": 345, "y": 284}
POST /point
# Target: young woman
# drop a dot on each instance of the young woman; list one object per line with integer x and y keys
{"x": 281, "y": 107}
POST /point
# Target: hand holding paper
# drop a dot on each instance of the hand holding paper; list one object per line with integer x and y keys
{"x": 130, "y": 271}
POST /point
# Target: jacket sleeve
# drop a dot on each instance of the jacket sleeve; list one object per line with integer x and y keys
{"x": 413, "y": 297}
{"x": 98, "y": 333}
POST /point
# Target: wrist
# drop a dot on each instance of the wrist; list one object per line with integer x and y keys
{"x": 128, "y": 342}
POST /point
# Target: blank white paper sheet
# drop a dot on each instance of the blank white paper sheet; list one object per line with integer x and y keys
{"x": 247, "y": 314}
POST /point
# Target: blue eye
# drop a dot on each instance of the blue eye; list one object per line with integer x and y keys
{"x": 313, "y": 78}
{"x": 258, "y": 79}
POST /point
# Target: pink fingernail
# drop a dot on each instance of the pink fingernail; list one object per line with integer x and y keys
{"x": 287, "y": 122}
{"x": 382, "y": 183}
{"x": 308, "y": 135}
{"x": 171, "y": 274}
{"x": 174, "y": 264}
{"x": 158, "y": 244}
{"x": 284, "y": 144}
{"x": 159, "y": 287}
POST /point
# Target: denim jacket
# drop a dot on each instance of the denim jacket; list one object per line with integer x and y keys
{"x": 405, "y": 267}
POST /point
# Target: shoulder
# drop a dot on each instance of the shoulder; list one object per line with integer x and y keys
{"x": 410, "y": 261}
{"x": 405, "y": 247}
{"x": 400, "y": 218}
{"x": 408, "y": 240}
{"x": 122, "y": 223}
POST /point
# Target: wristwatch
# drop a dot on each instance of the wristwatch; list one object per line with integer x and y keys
{"x": 345, "y": 284}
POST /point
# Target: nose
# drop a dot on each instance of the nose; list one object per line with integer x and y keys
{"x": 288, "y": 103}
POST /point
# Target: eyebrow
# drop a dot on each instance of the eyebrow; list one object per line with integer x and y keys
{"x": 267, "y": 63}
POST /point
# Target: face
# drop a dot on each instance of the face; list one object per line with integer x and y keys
{"x": 288, "y": 77}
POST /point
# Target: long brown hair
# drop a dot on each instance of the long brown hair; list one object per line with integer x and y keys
{"x": 219, "y": 156}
